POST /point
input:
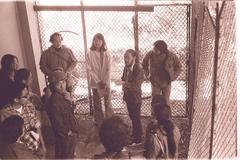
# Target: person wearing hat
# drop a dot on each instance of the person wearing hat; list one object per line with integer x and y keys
{"x": 58, "y": 55}
{"x": 165, "y": 67}
{"x": 62, "y": 117}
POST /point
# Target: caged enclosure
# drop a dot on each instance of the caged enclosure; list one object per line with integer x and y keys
{"x": 123, "y": 30}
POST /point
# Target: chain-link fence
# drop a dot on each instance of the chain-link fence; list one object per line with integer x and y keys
{"x": 169, "y": 23}
{"x": 224, "y": 118}
{"x": 166, "y": 22}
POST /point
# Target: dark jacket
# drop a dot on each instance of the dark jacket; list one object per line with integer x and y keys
{"x": 6, "y": 90}
{"x": 132, "y": 88}
{"x": 61, "y": 115}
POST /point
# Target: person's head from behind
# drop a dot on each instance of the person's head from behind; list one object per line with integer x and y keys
{"x": 130, "y": 57}
{"x": 58, "y": 81}
{"x": 11, "y": 129}
{"x": 98, "y": 43}
{"x": 56, "y": 40}
{"x": 163, "y": 116}
{"x": 9, "y": 63}
{"x": 114, "y": 134}
{"x": 160, "y": 47}
{"x": 23, "y": 75}
{"x": 21, "y": 93}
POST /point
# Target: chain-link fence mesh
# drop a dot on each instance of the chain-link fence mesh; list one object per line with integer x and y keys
{"x": 166, "y": 22}
{"x": 224, "y": 135}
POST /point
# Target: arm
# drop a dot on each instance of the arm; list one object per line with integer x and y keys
{"x": 91, "y": 72}
{"x": 175, "y": 71}
{"x": 43, "y": 64}
{"x": 72, "y": 61}
{"x": 109, "y": 68}
{"x": 145, "y": 64}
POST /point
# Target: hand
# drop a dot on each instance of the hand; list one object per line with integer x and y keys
{"x": 120, "y": 83}
{"x": 126, "y": 85}
{"x": 38, "y": 124}
{"x": 101, "y": 85}
{"x": 70, "y": 133}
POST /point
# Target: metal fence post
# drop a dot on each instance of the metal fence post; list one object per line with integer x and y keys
{"x": 135, "y": 27}
{"x": 85, "y": 49}
{"x": 215, "y": 69}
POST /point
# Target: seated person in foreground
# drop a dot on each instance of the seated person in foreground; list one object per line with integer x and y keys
{"x": 11, "y": 129}
{"x": 162, "y": 136}
{"x": 114, "y": 135}
{"x": 22, "y": 107}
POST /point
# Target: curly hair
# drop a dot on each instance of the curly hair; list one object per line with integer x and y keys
{"x": 114, "y": 134}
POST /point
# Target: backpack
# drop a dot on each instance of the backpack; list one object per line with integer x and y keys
{"x": 156, "y": 145}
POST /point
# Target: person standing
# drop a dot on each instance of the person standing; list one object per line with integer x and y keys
{"x": 62, "y": 117}
{"x": 132, "y": 79}
{"x": 164, "y": 66}
{"x": 98, "y": 62}
{"x": 9, "y": 65}
{"x": 58, "y": 56}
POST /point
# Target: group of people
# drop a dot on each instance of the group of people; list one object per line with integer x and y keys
{"x": 19, "y": 103}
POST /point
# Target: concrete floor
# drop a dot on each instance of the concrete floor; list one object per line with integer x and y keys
{"x": 88, "y": 142}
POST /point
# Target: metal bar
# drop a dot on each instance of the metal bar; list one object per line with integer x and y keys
{"x": 135, "y": 27}
{"x": 217, "y": 36}
{"x": 220, "y": 13}
{"x": 85, "y": 51}
{"x": 139, "y": 8}
{"x": 176, "y": 4}
{"x": 214, "y": 25}
{"x": 187, "y": 63}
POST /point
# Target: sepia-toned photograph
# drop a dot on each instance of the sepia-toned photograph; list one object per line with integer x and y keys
{"x": 118, "y": 79}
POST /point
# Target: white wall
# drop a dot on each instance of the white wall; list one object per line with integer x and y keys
{"x": 9, "y": 32}
{"x": 19, "y": 36}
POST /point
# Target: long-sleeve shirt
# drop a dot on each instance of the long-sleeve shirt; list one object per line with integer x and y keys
{"x": 97, "y": 71}
{"x": 53, "y": 58}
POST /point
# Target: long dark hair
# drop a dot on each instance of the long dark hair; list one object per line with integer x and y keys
{"x": 101, "y": 37}
{"x": 163, "y": 116}
{"x": 6, "y": 63}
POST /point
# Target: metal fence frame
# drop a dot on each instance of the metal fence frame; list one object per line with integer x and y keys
{"x": 136, "y": 9}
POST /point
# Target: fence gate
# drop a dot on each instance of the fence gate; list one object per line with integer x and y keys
{"x": 170, "y": 23}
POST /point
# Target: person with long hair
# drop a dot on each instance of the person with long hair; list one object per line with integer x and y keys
{"x": 162, "y": 135}
{"x": 9, "y": 65}
{"x": 98, "y": 62}
{"x": 161, "y": 67}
